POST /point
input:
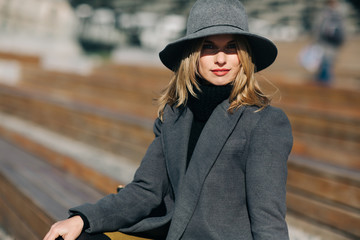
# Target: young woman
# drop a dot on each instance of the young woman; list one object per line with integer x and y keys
{"x": 217, "y": 167}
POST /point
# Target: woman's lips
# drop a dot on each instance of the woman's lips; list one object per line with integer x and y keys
{"x": 220, "y": 71}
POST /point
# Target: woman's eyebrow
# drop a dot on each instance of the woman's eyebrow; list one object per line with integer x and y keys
{"x": 209, "y": 41}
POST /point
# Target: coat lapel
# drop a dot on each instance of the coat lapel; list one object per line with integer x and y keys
{"x": 211, "y": 141}
{"x": 176, "y": 132}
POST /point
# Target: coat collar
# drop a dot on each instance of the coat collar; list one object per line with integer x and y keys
{"x": 187, "y": 184}
{"x": 176, "y": 131}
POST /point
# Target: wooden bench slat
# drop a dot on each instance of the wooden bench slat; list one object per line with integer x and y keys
{"x": 24, "y": 207}
{"x": 325, "y": 193}
{"x": 14, "y": 224}
{"x": 38, "y": 192}
{"x": 64, "y": 161}
{"x": 22, "y": 58}
{"x": 334, "y": 152}
{"x": 338, "y": 218}
{"x": 29, "y": 173}
{"x": 331, "y": 189}
{"x": 318, "y": 168}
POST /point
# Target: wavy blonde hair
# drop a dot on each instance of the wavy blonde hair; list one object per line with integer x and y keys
{"x": 245, "y": 91}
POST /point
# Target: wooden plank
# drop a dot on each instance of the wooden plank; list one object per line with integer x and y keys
{"x": 345, "y": 154}
{"x": 14, "y": 224}
{"x": 327, "y": 125}
{"x": 22, "y": 58}
{"x": 35, "y": 194}
{"x": 325, "y": 187}
{"x": 325, "y": 193}
{"x": 92, "y": 177}
{"x": 95, "y": 84}
{"x": 330, "y": 215}
{"x": 25, "y": 208}
{"x": 318, "y": 168}
{"x": 308, "y": 94}
{"x": 28, "y": 174}
{"x": 37, "y": 97}
{"x": 89, "y": 126}
{"x": 38, "y": 193}
{"x": 314, "y": 229}
{"x": 122, "y": 236}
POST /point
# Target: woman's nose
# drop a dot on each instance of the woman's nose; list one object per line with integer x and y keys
{"x": 220, "y": 58}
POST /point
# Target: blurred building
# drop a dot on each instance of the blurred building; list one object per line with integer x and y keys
{"x": 287, "y": 20}
{"x": 45, "y": 28}
{"x": 33, "y": 23}
{"x": 72, "y": 26}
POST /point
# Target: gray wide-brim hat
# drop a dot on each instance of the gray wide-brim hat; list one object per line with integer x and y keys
{"x": 213, "y": 17}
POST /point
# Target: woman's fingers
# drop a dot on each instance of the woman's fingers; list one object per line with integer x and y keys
{"x": 68, "y": 229}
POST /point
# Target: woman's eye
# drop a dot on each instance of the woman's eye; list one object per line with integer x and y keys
{"x": 208, "y": 46}
{"x": 231, "y": 46}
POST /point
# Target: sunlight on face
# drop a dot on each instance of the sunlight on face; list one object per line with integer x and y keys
{"x": 219, "y": 62}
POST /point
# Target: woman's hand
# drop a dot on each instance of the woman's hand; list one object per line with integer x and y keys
{"x": 68, "y": 229}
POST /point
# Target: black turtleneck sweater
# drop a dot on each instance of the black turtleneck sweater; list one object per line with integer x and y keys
{"x": 202, "y": 107}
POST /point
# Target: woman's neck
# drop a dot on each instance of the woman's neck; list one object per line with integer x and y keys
{"x": 208, "y": 98}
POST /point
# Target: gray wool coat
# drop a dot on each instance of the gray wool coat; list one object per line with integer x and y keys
{"x": 233, "y": 188}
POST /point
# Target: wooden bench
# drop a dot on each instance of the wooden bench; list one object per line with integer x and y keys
{"x": 36, "y": 194}
{"x": 126, "y": 95}
{"x": 325, "y": 121}
{"x": 303, "y": 177}
{"x": 324, "y": 194}
{"x": 324, "y": 168}
{"x": 113, "y": 131}
{"x": 24, "y": 59}
{"x": 330, "y": 138}
{"x": 107, "y": 82}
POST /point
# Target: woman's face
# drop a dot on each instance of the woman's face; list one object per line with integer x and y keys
{"x": 219, "y": 62}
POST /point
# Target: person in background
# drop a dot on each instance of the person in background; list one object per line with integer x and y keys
{"x": 217, "y": 167}
{"x": 330, "y": 35}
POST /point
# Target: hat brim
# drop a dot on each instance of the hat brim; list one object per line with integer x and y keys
{"x": 264, "y": 51}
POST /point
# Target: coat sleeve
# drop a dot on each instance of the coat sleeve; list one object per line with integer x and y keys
{"x": 137, "y": 199}
{"x": 266, "y": 173}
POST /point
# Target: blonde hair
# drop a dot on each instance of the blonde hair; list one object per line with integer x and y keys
{"x": 245, "y": 91}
